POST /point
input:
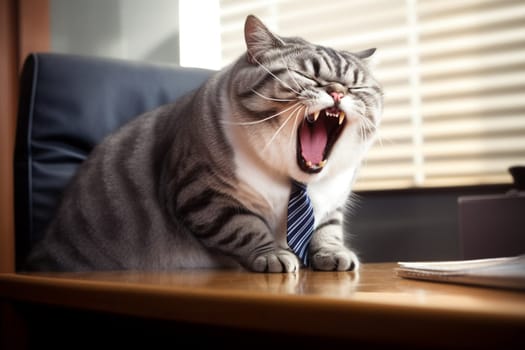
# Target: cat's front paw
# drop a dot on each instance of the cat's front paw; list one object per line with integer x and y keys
{"x": 275, "y": 261}
{"x": 334, "y": 259}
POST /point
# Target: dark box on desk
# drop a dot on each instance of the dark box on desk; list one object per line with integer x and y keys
{"x": 492, "y": 226}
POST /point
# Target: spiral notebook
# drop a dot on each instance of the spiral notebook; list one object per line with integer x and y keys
{"x": 505, "y": 272}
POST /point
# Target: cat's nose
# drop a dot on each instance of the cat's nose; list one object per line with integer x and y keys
{"x": 337, "y": 91}
{"x": 337, "y": 96}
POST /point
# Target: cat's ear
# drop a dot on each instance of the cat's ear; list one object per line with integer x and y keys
{"x": 368, "y": 57}
{"x": 259, "y": 39}
{"x": 365, "y": 54}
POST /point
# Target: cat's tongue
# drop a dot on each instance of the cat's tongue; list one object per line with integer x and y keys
{"x": 313, "y": 141}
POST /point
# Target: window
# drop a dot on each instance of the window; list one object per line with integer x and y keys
{"x": 453, "y": 74}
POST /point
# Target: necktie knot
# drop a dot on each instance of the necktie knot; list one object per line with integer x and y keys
{"x": 298, "y": 186}
{"x": 300, "y": 221}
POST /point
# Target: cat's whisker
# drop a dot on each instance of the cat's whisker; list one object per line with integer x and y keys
{"x": 264, "y": 119}
{"x": 275, "y": 77}
{"x": 272, "y": 98}
{"x": 280, "y": 128}
{"x": 366, "y": 125}
{"x": 377, "y": 131}
{"x": 382, "y": 140}
{"x": 362, "y": 135}
{"x": 370, "y": 124}
{"x": 295, "y": 124}
{"x": 379, "y": 138}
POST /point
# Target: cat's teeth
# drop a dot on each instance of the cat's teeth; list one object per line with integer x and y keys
{"x": 322, "y": 164}
{"x": 341, "y": 117}
{"x": 332, "y": 114}
{"x": 309, "y": 164}
{"x": 316, "y": 115}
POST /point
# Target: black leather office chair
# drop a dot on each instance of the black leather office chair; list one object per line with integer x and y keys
{"x": 67, "y": 105}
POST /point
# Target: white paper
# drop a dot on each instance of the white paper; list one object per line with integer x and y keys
{"x": 505, "y": 272}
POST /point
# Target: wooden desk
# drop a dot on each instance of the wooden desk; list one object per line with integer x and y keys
{"x": 374, "y": 307}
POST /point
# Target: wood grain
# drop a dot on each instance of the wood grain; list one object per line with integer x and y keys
{"x": 374, "y": 304}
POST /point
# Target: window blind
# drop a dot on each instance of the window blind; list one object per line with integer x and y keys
{"x": 453, "y": 74}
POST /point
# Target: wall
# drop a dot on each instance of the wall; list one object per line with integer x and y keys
{"x": 127, "y": 29}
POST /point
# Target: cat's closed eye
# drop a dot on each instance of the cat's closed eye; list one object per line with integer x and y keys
{"x": 308, "y": 77}
{"x": 357, "y": 88}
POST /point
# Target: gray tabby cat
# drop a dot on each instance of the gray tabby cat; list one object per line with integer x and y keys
{"x": 205, "y": 182}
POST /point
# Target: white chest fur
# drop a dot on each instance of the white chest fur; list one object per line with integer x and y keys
{"x": 329, "y": 194}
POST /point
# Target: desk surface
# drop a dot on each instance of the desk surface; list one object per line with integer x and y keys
{"x": 374, "y": 304}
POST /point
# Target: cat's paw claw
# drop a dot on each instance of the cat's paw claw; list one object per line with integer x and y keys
{"x": 340, "y": 259}
{"x": 276, "y": 261}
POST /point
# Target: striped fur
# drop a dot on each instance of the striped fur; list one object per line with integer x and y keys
{"x": 204, "y": 182}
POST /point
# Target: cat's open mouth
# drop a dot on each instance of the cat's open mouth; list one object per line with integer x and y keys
{"x": 316, "y": 136}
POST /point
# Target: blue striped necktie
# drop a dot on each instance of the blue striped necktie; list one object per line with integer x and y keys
{"x": 300, "y": 221}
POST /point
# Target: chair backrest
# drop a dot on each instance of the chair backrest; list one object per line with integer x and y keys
{"x": 67, "y": 104}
